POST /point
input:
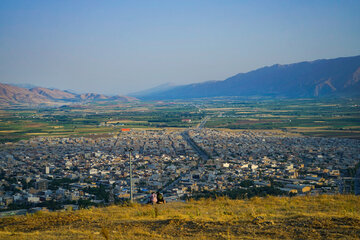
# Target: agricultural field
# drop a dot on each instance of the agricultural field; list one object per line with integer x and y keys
{"x": 320, "y": 118}
{"x": 98, "y": 118}
{"x": 311, "y": 117}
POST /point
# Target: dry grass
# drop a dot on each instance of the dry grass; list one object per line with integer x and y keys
{"x": 320, "y": 217}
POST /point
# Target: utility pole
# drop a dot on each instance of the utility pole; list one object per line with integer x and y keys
{"x": 131, "y": 181}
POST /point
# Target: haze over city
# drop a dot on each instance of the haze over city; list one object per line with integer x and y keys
{"x": 119, "y": 47}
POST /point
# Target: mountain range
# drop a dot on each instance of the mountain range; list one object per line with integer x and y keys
{"x": 338, "y": 77}
{"x": 13, "y": 95}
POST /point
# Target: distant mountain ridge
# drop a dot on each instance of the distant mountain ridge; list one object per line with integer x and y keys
{"x": 154, "y": 90}
{"x": 12, "y": 95}
{"x": 320, "y": 78}
{"x": 23, "y": 85}
{"x": 54, "y": 94}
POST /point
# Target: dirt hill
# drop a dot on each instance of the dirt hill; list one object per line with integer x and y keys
{"x": 320, "y": 217}
{"x": 12, "y": 95}
{"x": 55, "y": 94}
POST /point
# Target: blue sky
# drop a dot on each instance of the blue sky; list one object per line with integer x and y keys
{"x": 118, "y": 47}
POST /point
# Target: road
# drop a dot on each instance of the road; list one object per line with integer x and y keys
{"x": 202, "y": 154}
{"x": 203, "y": 122}
{"x": 203, "y": 157}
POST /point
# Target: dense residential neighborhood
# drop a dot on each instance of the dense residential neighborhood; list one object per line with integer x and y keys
{"x": 58, "y": 172}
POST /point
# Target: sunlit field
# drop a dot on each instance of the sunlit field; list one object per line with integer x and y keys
{"x": 319, "y": 217}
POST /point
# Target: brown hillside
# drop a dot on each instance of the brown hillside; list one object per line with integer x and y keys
{"x": 321, "y": 217}
{"x": 93, "y": 96}
{"x": 15, "y": 95}
{"x": 53, "y": 93}
{"x": 10, "y": 95}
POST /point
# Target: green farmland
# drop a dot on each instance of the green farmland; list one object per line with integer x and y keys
{"x": 311, "y": 117}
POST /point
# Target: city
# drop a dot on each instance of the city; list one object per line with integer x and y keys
{"x": 58, "y": 173}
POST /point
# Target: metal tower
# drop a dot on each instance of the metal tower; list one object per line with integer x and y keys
{"x": 131, "y": 180}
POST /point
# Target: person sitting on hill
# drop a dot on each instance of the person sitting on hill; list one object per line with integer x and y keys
{"x": 160, "y": 198}
{"x": 153, "y": 198}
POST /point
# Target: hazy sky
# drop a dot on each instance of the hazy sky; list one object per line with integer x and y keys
{"x": 118, "y": 47}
